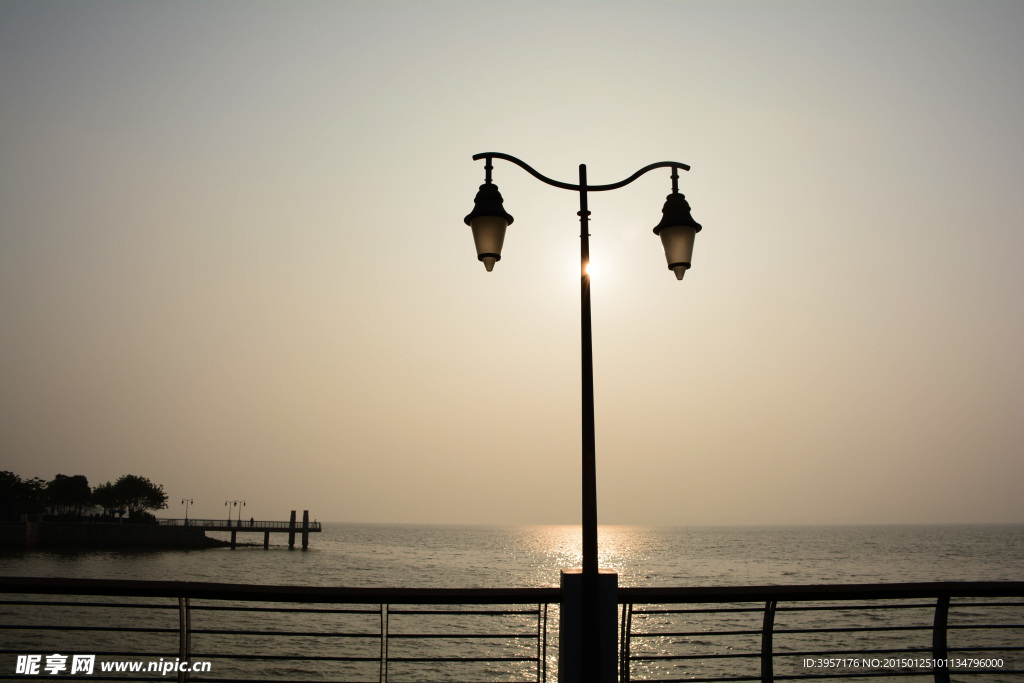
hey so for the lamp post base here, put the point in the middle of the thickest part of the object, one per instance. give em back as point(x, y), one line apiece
point(571, 648)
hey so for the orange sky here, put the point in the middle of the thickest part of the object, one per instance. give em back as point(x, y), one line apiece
point(232, 258)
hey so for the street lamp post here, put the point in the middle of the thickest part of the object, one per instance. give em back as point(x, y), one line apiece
point(677, 231)
point(235, 503)
point(186, 502)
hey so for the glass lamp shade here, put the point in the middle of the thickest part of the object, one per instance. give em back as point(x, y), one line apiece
point(489, 235)
point(677, 230)
point(678, 243)
point(488, 219)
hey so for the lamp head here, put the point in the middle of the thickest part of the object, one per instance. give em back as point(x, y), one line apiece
point(677, 230)
point(488, 219)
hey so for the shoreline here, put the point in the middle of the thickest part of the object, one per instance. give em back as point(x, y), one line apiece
point(102, 535)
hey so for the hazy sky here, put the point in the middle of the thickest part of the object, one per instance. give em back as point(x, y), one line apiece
point(232, 257)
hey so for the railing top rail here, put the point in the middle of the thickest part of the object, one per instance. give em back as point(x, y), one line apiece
point(236, 524)
point(668, 595)
point(870, 591)
point(307, 594)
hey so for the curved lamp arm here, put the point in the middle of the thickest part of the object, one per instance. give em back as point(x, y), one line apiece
point(590, 188)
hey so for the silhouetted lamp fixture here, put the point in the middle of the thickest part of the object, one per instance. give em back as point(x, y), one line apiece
point(488, 219)
point(677, 230)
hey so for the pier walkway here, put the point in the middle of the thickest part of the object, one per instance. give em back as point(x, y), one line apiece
point(234, 526)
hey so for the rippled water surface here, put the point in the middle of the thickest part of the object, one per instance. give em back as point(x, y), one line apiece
point(478, 556)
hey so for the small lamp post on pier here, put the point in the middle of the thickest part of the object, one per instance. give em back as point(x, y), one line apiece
point(186, 502)
point(235, 503)
point(587, 639)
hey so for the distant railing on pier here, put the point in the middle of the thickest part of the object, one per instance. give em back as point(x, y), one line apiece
point(242, 525)
point(393, 635)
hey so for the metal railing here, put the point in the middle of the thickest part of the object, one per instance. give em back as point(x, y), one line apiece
point(282, 632)
point(392, 635)
point(770, 633)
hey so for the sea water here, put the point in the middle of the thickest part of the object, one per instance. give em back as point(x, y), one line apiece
point(365, 555)
point(387, 555)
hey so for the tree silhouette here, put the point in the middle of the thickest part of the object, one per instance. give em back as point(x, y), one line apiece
point(137, 494)
point(19, 495)
point(105, 497)
point(68, 495)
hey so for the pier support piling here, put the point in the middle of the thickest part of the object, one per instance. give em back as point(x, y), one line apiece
point(233, 533)
point(266, 540)
point(291, 531)
point(305, 529)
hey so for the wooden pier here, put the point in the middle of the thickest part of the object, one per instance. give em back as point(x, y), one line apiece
point(254, 526)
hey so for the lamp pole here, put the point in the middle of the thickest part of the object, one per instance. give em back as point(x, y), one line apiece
point(677, 230)
point(186, 502)
point(235, 503)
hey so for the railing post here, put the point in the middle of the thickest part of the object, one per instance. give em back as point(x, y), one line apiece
point(383, 643)
point(767, 659)
point(544, 646)
point(627, 627)
point(184, 636)
point(539, 641)
point(939, 648)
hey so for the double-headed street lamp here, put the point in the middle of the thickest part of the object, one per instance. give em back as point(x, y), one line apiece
point(186, 502)
point(235, 503)
point(677, 230)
